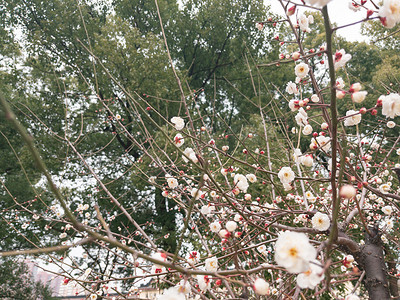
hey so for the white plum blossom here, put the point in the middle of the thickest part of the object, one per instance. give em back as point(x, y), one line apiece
point(391, 105)
point(391, 124)
point(211, 264)
point(172, 182)
point(359, 97)
point(340, 83)
point(384, 188)
point(171, 294)
point(196, 193)
point(315, 98)
point(354, 6)
point(307, 130)
point(178, 122)
point(320, 221)
point(261, 287)
point(241, 182)
point(347, 191)
point(224, 233)
point(291, 88)
point(321, 141)
point(341, 58)
point(293, 251)
point(387, 210)
point(183, 287)
point(390, 13)
point(301, 117)
point(179, 140)
point(215, 226)
point(354, 119)
point(318, 3)
point(286, 175)
point(159, 256)
point(293, 105)
point(312, 277)
point(204, 282)
point(297, 155)
point(231, 226)
point(205, 210)
point(251, 177)
point(304, 22)
point(189, 152)
point(307, 160)
point(301, 70)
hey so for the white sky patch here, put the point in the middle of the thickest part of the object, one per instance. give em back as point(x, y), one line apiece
point(339, 13)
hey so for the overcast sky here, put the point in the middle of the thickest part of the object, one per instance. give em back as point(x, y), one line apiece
point(339, 13)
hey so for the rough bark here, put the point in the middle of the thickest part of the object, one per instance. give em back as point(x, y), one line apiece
point(371, 258)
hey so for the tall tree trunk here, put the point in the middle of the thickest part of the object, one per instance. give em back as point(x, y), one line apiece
point(372, 260)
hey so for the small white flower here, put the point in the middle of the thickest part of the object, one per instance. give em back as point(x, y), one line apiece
point(204, 283)
point(307, 130)
point(304, 24)
point(347, 191)
point(311, 278)
point(251, 177)
point(390, 105)
point(241, 182)
point(384, 239)
point(286, 175)
point(320, 221)
point(340, 83)
point(359, 97)
point(63, 235)
point(315, 98)
point(293, 251)
point(384, 188)
point(341, 58)
point(172, 182)
point(183, 287)
point(391, 124)
point(172, 293)
point(191, 154)
point(307, 161)
point(196, 193)
point(231, 226)
point(179, 140)
point(390, 13)
point(301, 70)
point(321, 141)
point(211, 264)
point(178, 122)
point(261, 248)
point(261, 287)
point(291, 88)
point(354, 119)
point(318, 3)
point(387, 210)
point(215, 227)
point(205, 210)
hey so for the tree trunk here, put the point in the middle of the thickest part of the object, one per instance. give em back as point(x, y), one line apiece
point(372, 260)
